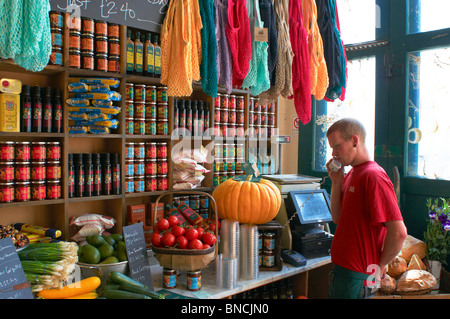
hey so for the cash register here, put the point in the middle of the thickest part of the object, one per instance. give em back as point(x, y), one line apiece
point(309, 213)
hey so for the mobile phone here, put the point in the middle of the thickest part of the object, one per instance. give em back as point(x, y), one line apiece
point(335, 165)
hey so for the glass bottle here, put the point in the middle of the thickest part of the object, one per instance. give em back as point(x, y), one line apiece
point(71, 167)
point(79, 175)
point(157, 56)
point(25, 109)
point(88, 175)
point(149, 57)
point(37, 110)
point(97, 174)
point(57, 112)
point(47, 111)
point(106, 174)
point(115, 169)
point(138, 54)
point(130, 53)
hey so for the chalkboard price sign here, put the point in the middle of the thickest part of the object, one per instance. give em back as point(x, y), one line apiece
point(141, 14)
point(137, 254)
point(13, 283)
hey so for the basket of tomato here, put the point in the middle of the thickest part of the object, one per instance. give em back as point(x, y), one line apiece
point(185, 247)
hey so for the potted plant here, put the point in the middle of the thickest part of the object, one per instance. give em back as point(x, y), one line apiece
point(437, 236)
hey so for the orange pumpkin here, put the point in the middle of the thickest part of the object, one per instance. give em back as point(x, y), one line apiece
point(247, 202)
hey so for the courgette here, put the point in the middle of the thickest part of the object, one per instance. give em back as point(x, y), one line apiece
point(120, 279)
point(111, 287)
point(141, 290)
point(122, 294)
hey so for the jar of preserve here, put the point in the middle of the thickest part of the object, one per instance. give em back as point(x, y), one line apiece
point(139, 93)
point(150, 110)
point(163, 111)
point(150, 150)
point(129, 168)
point(139, 184)
point(87, 25)
point(22, 191)
point(129, 151)
point(216, 177)
point(7, 151)
point(269, 241)
point(169, 278)
point(113, 30)
point(268, 258)
point(53, 171)
point(101, 28)
point(232, 102)
point(75, 23)
point(53, 151)
point(74, 41)
point(240, 103)
point(6, 192)
point(6, 172)
point(217, 115)
point(38, 171)
point(217, 101)
point(139, 110)
point(87, 43)
point(56, 57)
point(150, 167)
point(161, 94)
point(161, 166)
point(129, 109)
point(139, 126)
point(87, 60)
point(139, 167)
point(75, 58)
point(194, 202)
point(22, 171)
point(101, 45)
point(194, 280)
point(161, 150)
point(56, 20)
point(101, 62)
point(139, 151)
point(150, 126)
point(150, 183)
point(54, 190)
point(38, 190)
point(150, 94)
point(161, 182)
point(38, 151)
point(114, 63)
point(162, 127)
point(129, 125)
point(224, 101)
point(129, 92)
point(129, 185)
point(114, 47)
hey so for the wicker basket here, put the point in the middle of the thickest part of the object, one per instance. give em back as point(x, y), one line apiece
point(186, 259)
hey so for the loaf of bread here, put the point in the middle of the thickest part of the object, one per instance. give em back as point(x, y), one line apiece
point(387, 285)
point(397, 267)
point(416, 263)
point(415, 281)
point(412, 246)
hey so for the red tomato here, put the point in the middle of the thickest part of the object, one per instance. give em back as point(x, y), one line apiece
point(206, 246)
point(162, 224)
point(178, 231)
point(195, 244)
point(156, 240)
point(173, 221)
point(209, 238)
point(168, 239)
point(182, 242)
point(200, 231)
point(191, 234)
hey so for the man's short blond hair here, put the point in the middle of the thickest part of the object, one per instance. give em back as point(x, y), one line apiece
point(348, 127)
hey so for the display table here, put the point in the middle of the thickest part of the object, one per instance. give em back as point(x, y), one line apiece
point(315, 271)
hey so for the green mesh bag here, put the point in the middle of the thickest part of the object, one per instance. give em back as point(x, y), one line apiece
point(28, 38)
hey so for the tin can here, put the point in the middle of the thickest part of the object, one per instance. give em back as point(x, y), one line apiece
point(7, 151)
point(22, 172)
point(150, 94)
point(194, 280)
point(150, 150)
point(53, 190)
point(38, 190)
point(161, 182)
point(161, 150)
point(169, 278)
point(139, 184)
point(6, 172)
point(53, 151)
point(151, 167)
point(150, 183)
point(22, 191)
point(6, 192)
point(150, 126)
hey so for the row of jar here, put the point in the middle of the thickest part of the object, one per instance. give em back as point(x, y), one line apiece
point(11, 151)
point(229, 150)
point(146, 93)
point(30, 191)
point(146, 110)
point(146, 150)
point(30, 171)
point(146, 183)
point(135, 126)
point(221, 177)
point(146, 167)
point(234, 130)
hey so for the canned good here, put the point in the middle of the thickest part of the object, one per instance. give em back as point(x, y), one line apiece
point(217, 101)
point(232, 116)
point(114, 47)
point(232, 102)
point(139, 151)
point(269, 241)
point(114, 63)
point(56, 20)
point(204, 202)
point(22, 171)
point(162, 127)
point(216, 178)
point(6, 192)
point(101, 62)
point(54, 189)
point(240, 105)
point(38, 190)
point(57, 37)
point(6, 172)
point(217, 115)
point(240, 117)
point(38, 171)
point(194, 280)
point(74, 41)
point(22, 191)
point(224, 101)
point(163, 111)
point(87, 43)
point(150, 183)
point(7, 151)
point(56, 57)
point(53, 150)
point(161, 182)
point(194, 201)
point(268, 258)
point(169, 278)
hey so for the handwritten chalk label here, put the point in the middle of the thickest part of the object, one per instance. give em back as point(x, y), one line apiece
point(13, 282)
point(137, 254)
point(143, 14)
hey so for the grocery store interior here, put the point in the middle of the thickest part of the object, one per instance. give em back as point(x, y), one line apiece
point(170, 149)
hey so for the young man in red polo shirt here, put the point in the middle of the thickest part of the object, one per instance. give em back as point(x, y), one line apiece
point(370, 229)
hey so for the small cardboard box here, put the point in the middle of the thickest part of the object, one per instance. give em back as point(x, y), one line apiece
point(151, 209)
point(136, 214)
point(9, 112)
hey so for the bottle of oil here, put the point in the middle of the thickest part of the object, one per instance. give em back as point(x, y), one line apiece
point(130, 53)
point(157, 56)
point(138, 54)
point(149, 56)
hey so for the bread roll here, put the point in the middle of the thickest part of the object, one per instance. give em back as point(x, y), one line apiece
point(397, 267)
point(415, 281)
point(387, 285)
point(412, 246)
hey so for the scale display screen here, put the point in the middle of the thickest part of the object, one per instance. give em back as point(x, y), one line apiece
point(312, 206)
